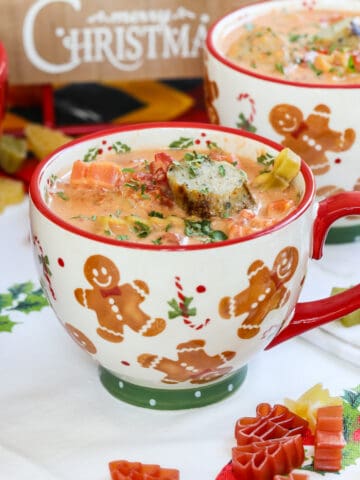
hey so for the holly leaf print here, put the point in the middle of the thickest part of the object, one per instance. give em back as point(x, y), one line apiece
point(351, 403)
point(33, 302)
point(6, 300)
point(6, 325)
point(19, 288)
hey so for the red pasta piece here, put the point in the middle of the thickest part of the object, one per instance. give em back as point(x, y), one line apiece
point(270, 422)
point(293, 476)
point(124, 470)
point(329, 439)
point(263, 460)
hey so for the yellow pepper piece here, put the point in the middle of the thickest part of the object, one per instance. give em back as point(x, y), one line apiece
point(307, 404)
point(286, 167)
point(350, 319)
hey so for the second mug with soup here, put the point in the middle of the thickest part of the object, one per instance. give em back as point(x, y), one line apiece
point(290, 70)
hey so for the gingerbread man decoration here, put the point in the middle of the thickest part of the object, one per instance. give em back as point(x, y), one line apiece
point(310, 138)
point(116, 305)
point(211, 93)
point(193, 364)
point(266, 292)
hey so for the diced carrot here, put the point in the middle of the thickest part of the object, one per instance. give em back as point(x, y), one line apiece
point(96, 174)
point(279, 207)
point(78, 172)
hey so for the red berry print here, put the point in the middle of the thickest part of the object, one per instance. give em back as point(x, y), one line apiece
point(201, 289)
point(61, 262)
point(197, 141)
point(124, 362)
point(337, 160)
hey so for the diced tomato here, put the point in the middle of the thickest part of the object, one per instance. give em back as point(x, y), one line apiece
point(170, 238)
point(96, 174)
point(162, 161)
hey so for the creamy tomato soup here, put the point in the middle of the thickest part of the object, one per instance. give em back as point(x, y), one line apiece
point(310, 46)
point(127, 196)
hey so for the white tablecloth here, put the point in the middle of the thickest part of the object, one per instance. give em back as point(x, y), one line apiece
point(58, 423)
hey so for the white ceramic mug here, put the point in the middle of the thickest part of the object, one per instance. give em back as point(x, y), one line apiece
point(243, 292)
point(328, 115)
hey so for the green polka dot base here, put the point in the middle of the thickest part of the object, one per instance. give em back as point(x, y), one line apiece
point(165, 399)
point(343, 234)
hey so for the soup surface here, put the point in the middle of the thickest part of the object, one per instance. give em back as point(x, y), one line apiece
point(310, 46)
point(131, 196)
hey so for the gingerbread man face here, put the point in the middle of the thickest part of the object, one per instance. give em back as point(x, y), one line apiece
point(310, 138)
point(193, 364)
point(266, 292)
point(101, 272)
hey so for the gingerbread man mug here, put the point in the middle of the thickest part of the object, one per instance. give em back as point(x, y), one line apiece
point(318, 118)
point(174, 326)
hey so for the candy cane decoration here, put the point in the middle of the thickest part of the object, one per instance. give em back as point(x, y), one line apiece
point(45, 268)
point(181, 297)
point(251, 101)
point(310, 4)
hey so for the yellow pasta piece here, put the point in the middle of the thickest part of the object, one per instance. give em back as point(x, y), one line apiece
point(11, 192)
point(307, 404)
point(286, 167)
point(13, 152)
point(43, 141)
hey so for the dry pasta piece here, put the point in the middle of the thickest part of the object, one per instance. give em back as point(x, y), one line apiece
point(293, 476)
point(42, 140)
point(124, 470)
point(307, 404)
point(13, 152)
point(11, 192)
point(329, 439)
point(270, 423)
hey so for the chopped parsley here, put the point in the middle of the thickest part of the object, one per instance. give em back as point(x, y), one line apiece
point(221, 171)
point(315, 69)
point(128, 170)
point(158, 241)
point(154, 213)
point(83, 217)
point(121, 237)
point(194, 160)
point(294, 37)
point(62, 195)
point(203, 228)
point(279, 67)
point(266, 160)
point(141, 229)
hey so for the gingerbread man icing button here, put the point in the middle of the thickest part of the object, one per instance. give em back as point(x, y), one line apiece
point(116, 305)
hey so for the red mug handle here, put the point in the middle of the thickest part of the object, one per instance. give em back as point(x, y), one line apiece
point(312, 314)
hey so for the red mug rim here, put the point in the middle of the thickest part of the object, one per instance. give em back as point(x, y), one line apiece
point(36, 196)
point(211, 47)
point(3, 63)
